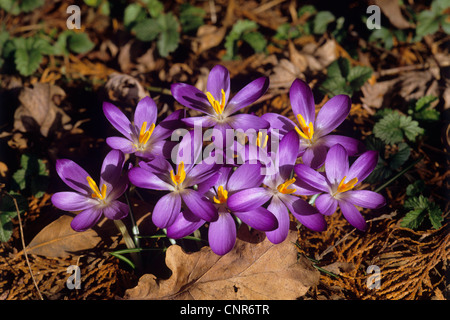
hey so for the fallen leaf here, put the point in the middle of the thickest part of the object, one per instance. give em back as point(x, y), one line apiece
point(283, 74)
point(393, 11)
point(59, 240)
point(3, 169)
point(208, 36)
point(339, 267)
point(124, 89)
point(254, 269)
point(378, 94)
point(39, 109)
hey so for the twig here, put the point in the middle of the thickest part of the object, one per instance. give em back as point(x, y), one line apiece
point(23, 245)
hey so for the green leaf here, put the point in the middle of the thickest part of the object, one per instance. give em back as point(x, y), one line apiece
point(419, 208)
point(339, 68)
point(133, 14)
point(147, 30)
point(306, 9)
point(155, 8)
point(423, 110)
point(425, 102)
point(435, 216)
point(413, 219)
point(321, 21)
point(358, 75)
point(19, 179)
point(169, 37)
point(8, 211)
point(394, 127)
point(427, 23)
point(415, 188)
point(191, 17)
point(80, 43)
point(27, 61)
point(32, 176)
point(236, 34)
point(400, 157)
point(15, 7)
point(256, 40)
point(30, 5)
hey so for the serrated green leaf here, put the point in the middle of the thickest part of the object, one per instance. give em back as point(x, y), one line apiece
point(256, 40)
point(27, 61)
point(19, 179)
point(358, 75)
point(236, 33)
point(421, 207)
point(336, 85)
point(80, 43)
point(169, 37)
point(339, 68)
point(8, 211)
point(30, 5)
point(435, 216)
point(191, 17)
point(427, 23)
point(425, 102)
point(155, 8)
point(415, 188)
point(413, 219)
point(394, 127)
point(306, 9)
point(400, 157)
point(147, 30)
point(321, 21)
point(242, 26)
point(133, 14)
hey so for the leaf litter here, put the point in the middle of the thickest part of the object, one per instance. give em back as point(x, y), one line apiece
point(328, 265)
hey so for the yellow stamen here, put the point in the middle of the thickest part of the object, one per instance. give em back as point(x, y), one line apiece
point(342, 187)
point(217, 106)
point(259, 138)
point(283, 187)
point(96, 191)
point(145, 134)
point(222, 194)
point(305, 131)
point(180, 176)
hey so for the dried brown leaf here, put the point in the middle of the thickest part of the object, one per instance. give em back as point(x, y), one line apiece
point(59, 240)
point(39, 109)
point(255, 269)
point(124, 89)
point(393, 11)
point(208, 37)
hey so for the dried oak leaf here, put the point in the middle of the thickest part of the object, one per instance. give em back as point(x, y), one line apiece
point(59, 240)
point(124, 89)
point(208, 37)
point(393, 12)
point(253, 270)
point(39, 109)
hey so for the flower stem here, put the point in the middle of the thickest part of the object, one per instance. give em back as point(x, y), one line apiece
point(129, 243)
point(398, 175)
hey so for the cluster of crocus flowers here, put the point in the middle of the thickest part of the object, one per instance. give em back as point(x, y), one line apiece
point(263, 191)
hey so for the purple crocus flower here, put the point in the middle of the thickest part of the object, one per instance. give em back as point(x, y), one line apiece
point(282, 190)
point(338, 181)
point(158, 174)
point(93, 201)
point(222, 232)
point(142, 137)
point(219, 109)
point(314, 131)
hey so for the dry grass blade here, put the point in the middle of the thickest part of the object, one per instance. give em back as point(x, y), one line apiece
point(24, 246)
